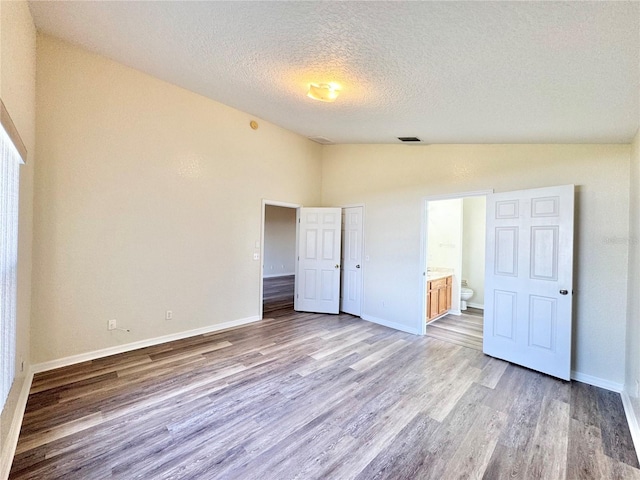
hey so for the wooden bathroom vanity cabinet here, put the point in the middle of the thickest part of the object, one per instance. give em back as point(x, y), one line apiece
point(438, 296)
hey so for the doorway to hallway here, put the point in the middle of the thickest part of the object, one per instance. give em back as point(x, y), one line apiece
point(278, 257)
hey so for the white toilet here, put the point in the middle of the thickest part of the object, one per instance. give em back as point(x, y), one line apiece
point(465, 294)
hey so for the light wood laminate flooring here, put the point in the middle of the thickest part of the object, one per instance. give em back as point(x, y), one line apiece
point(317, 396)
point(465, 329)
point(277, 293)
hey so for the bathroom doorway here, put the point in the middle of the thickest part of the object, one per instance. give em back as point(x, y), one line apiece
point(454, 240)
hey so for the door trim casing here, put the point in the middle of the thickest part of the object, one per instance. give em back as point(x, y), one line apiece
point(422, 325)
point(363, 247)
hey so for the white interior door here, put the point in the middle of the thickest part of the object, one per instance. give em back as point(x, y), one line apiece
point(529, 278)
point(351, 271)
point(318, 268)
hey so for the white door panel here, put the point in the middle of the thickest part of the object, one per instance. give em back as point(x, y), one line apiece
point(352, 242)
point(529, 277)
point(318, 270)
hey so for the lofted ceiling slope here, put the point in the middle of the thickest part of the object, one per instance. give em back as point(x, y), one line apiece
point(446, 72)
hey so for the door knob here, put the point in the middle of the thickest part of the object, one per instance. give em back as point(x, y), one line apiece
point(563, 292)
point(357, 266)
point(337, 266)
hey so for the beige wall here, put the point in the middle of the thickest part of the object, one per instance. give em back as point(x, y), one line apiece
point(633, 293)
point(279, 241)
point(393, 180)
point(17, 90)
point(132, 170)
point(149, 198)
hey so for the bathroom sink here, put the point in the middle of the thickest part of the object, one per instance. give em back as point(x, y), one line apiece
point(437, 273)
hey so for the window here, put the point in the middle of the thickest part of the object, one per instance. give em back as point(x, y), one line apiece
point(10, 161)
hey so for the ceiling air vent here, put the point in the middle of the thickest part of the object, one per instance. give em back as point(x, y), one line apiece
point(409, 139)
point(321, 140)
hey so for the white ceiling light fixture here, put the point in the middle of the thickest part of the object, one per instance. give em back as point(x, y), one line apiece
point(325, 92)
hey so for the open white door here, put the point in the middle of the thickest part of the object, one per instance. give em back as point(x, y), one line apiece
point(351, 285)
point(529, 278)
point(318, 269)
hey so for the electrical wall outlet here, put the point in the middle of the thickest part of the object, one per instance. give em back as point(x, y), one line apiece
point(112, 325)
point(168, 315)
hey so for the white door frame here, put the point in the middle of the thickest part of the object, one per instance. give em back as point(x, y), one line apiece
point(363, 246)
point(273, 203)
point(424, 235)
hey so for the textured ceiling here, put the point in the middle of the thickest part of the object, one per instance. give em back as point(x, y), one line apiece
point(447, 72)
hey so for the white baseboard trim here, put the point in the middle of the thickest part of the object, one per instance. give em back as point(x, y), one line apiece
point(274, 275)
point(479, 306)
point(105, 352)
point(390, 324)
point(9, 447)
point(632, 420)
point(437, 318)
point(597, 381)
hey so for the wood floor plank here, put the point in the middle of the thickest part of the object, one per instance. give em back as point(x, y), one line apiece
point(303, 395)
point(447, 390)
point(505, 464)
point(474, 452)
point(444, 443)
point(465, 329)
point(406, 454)
point(584, 457)
point(339, 343)
point(524, 413)
point(620, 470)
point(492, 372)
point(374, 441)
point(370, 361)
point(512, 381)
point(293, 453)
point(548, 456)
point(616, 438)
point(42, 437)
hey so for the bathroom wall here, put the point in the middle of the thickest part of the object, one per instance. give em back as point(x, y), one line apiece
point(444, 241)
point(279, 241)
point(473, 244)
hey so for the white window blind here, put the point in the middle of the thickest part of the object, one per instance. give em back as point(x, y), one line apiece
point(10, 162)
